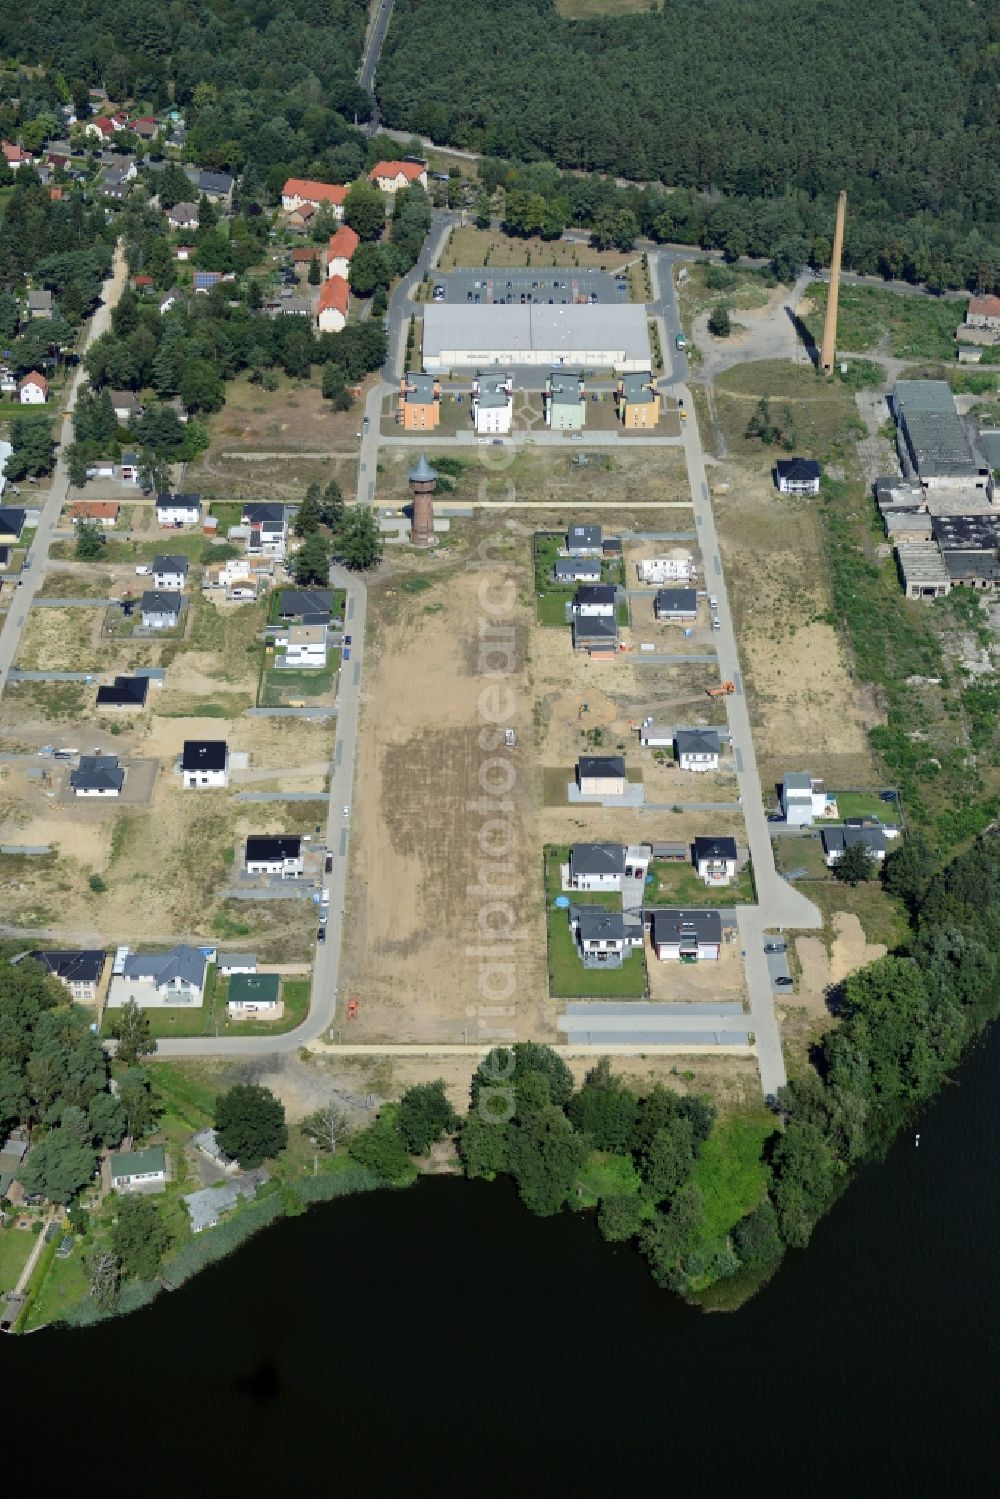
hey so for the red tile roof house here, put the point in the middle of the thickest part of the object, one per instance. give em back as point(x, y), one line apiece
point(103, 511)
point(33, 390)
point(299, 190)
point(105, 126)
point(339, 251)
point(15, 156)
point(331, 310)
point(303, 254)
point(390, 176)
point(146, 127)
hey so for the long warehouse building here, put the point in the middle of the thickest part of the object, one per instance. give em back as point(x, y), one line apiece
point(536, 334)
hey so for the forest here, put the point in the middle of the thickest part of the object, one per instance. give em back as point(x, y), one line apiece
point(762, 112)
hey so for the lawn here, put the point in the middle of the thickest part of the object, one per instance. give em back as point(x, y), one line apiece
point(555, 857)
point(914, 326)
point(604, 1174)
point(294, 992)
point(679, 885)
point(866, 804)
point(471, 248)
point(568, 979)
point(729, 1173)
point(15, 1246)
point(186, 1020)
point(552, 606)
point(882, 917)
point(184, 1098)
point(279, 687)
point(64, 1286)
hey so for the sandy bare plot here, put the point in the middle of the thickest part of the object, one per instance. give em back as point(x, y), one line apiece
point(698, 983)
point(806, 710)
point(823, 969)
point(413, 919)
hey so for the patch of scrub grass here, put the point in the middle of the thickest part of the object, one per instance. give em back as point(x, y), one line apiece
point(604, 1174)
point(65, 1284)
point(416, 584)
point(915, 326)
point(182, 1091)
point(15, 1246)
point(678, 885)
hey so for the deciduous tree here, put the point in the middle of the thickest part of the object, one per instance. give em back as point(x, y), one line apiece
point(250, 1123)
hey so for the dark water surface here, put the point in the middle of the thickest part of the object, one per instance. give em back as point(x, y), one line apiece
point(441, 1340)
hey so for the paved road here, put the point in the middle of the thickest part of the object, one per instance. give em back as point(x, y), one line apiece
point(779, 905)
point(369, 62)
point(10, 635)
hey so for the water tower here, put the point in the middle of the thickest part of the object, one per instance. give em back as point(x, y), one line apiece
point(422, 479)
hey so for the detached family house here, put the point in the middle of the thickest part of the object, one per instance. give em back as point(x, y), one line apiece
point(576, 570)
point(170, 572)
point(601, 775)
point(79, 970)
point(160, 980)
point(305, 648)
point(255, 994)
point(596, 866)
point(676, 604)
point(280, 855)
point(299, 190)
point(97, 775)
point(797, 475)
point(178, 509)
point(605, 938)
point(125, 694)
point(803, 798)
point(340, 251)
point(268, 529)
point(715, 860)
point(33, 390)
point(686, 936)
point(204, 763)
point(331, 308)
point(585, 541)
point(160, 610)
point(697, 749)
point(393, 176)
point(836, 842)
point(139, 1170)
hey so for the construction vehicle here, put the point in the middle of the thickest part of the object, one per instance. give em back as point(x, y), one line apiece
point(724, 689)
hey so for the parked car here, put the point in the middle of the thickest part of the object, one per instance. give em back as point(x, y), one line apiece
point(347, 639)
point(347, 811)
point(328, 864)
point(774, 947)
point(321, 934)
point(783, 981)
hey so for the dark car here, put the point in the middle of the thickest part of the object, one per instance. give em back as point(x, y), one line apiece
point(321, 934)
point(888, 796)
point(328, 864)
point(774, 947)
point(348, 640)
point(784, 982)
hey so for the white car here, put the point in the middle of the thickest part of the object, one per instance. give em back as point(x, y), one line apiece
point(347, 811)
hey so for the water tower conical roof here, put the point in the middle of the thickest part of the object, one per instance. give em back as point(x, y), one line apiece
point(422, 471)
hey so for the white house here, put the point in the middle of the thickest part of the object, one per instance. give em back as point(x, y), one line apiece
point(331, 308)
point(656, 736)
point(33, 390)
point(160, 611)
point(229, 963)
point(665, 569)
point(97, 775)
point(595, 866)
point(697, 749)
point(305, 646)
point(204, 763)
point(255, 994)
point(686, 936)
point(392, 176)
point(79, 970)
point(281, 855)
point(797, 475)
point(715, 860)
point(493, 403)
point(139, 1170)
point(802, 798)
point(577, 570)
point(605, 938)
point(340, 251)
point(160, 980)
point(183, 216)
point(601, 775)
point(178, 509)
point(268, 529)
point(170, 572)
point(595, 601)
point(299, 190)
point(836, 842)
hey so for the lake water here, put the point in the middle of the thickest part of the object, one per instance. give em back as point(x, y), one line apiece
point(442, 1340)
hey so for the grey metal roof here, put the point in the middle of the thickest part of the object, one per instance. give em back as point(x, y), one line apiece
point(583, 536)
point(156, 602)
point(421, 472)
point(676, 601)
point(639, 388)
point(673, 925)
point(923, 395)
point(187, 963)
point(922, 562)
point(480, 330)
point(596, 858)
point(565, 388)
point(798, 780)
point(237, 959)
point(697, 741)
point(167, 564)
point(572, 567)
point(836, 840)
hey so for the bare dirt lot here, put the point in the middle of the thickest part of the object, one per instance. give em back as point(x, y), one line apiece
point(415, 925)
point(698, 983)
point(807, 713)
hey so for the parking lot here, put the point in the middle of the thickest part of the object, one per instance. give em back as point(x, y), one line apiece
point(531, 285)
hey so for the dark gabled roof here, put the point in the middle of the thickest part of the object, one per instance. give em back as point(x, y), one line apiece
point(673, 925)
point(214, 182)
point(76, 965)
point(594, 924)
point(267, 516)
point(601, 765)
point(570, 567)
point(836, 840)
point(11, 519)
point(594, 593)
point(286, 847)
point(800, 470)
point(183, 962)
point(676, 600)
point(714, 848)
point(170, 501)
point(127, 692)
point(97, 773)
point(304, 601)
point(204, 754)
point(595, 629)
point(597, 858)
point(170, 564)
point(696, 741)
point(156, 602)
